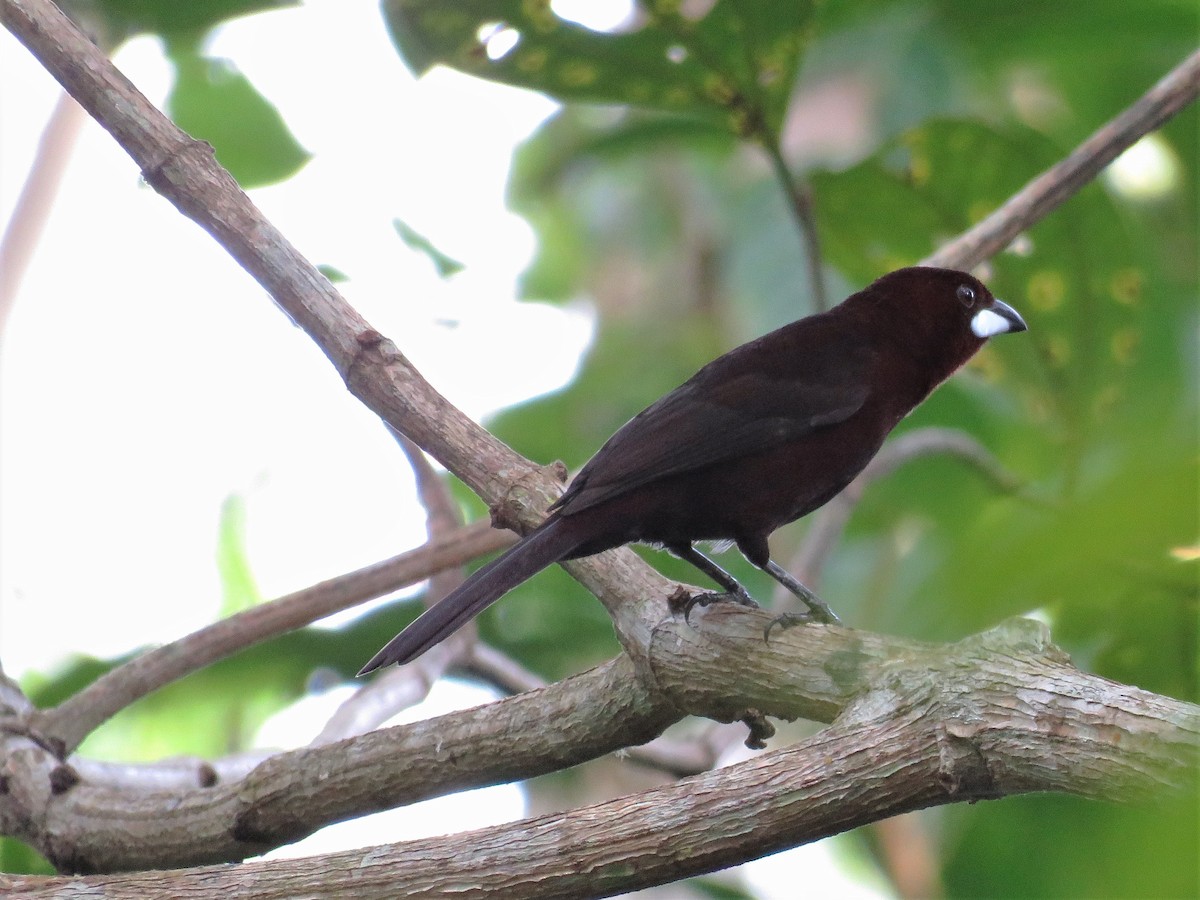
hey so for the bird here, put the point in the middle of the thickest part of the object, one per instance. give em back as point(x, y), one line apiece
point(757, 438)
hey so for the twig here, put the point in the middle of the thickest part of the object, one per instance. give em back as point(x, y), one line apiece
point(33, 206)
point(490, 665)
point(800, 201)
point(401, 687)
point(1061, 181)
point(393, 691)
point(830, 521)
point(441, 512)
point(179, 773)
point(949, 441)
point(78, 716)
point(681, 757)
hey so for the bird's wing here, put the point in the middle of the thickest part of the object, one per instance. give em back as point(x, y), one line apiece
point(732, 408)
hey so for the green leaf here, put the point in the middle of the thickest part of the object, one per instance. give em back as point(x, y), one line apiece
point(122, 19)
point(1047, 846)
point(238, 588)
point(212, 101)
point(736, 62)
point(445, 265)
point(334, 274)
point(18, 858)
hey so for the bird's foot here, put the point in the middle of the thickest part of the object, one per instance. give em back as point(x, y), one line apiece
point(708, 598)
point(818, 609)
point(788, 620)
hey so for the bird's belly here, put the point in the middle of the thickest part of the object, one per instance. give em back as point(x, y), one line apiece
point(750, 495)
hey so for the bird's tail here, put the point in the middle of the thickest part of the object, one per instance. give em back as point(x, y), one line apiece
point(547, 544)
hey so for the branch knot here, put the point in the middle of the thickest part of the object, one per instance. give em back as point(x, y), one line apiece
point(522, 505)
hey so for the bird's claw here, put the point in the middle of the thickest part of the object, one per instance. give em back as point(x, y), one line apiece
point(788, 620)
point(710, 597)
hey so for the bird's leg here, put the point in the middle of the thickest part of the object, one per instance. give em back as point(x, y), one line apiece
point(733, 590)
point(754, 548)
point(818, 609)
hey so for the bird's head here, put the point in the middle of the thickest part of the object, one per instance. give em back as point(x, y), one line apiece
point(941, 316)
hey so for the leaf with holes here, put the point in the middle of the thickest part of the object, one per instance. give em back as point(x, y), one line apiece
point(734, 62)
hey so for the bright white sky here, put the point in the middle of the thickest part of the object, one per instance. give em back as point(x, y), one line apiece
point(144, 377)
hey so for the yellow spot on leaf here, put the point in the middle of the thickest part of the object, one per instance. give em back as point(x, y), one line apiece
point(1124, 345)
point(538, 14)
point(1046, 290)
point(919, 168)
point(531, 61)
point(577, 74)
point(1058, 349)
point(677, 96)
point(1106, 400)
point(1126, 286)
point(719, 89)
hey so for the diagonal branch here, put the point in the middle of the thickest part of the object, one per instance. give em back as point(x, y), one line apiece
point(32, 209)
point(1063, 180)
point(185, 171)
point(800, 200)
point(828, 523)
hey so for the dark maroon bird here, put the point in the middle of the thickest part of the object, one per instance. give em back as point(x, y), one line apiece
point(757, 438)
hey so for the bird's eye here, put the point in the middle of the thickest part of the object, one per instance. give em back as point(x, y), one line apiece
point(966, 295)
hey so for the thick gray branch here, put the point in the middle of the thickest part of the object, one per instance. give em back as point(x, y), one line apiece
point(919, 726)
point(926, 728)
point(83, 826)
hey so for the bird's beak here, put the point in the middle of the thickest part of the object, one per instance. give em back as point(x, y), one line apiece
point(999, 318)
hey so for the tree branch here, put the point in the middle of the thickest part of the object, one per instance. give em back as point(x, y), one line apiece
point(1063, 180)
point(911, 739)
point(919, 725)
point(401, 687)
point(830, 521)
point(185, 171)
point(84, 827)
point(79, 715)
point(32, 209)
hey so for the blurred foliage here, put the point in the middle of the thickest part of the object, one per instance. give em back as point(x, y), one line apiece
point(444, 264)
point(119, 20)
point(210, 98)
point(910, 119)
point(17, 856)
point(682, 238)
point(732, 61)
point(240, 591)
point(212, 101)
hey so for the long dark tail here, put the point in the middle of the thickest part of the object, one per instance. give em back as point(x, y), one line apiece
point(547, 544)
